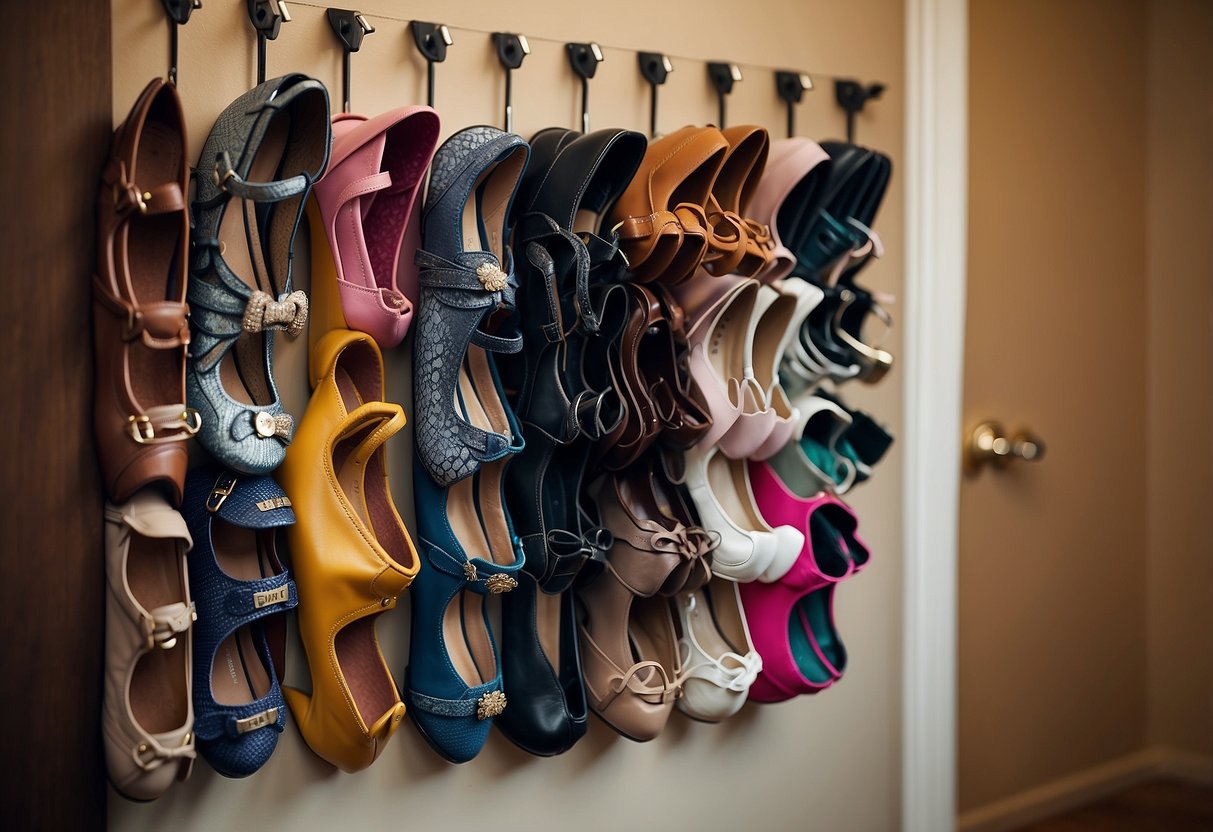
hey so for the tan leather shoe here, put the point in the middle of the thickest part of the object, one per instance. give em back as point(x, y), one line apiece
point(147, 717)
point(140, 324)
point(661, 217)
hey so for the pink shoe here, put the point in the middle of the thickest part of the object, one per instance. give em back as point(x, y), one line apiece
point(719, 310)
point(777, 327)
point(367, 201)
point(792, 620)
point(789, 179)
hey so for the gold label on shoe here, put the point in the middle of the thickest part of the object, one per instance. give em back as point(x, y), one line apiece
point(276, 502)
point(469, 571)
point(491, 704)
point(491, 277)
point(271, 596)
point(499, 583)
point(252, 723)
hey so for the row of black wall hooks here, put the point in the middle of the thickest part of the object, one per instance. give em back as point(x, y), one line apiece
point(432, 40)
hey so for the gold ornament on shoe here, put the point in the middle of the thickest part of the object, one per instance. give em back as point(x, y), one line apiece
point(500, 583)
point(491, 704)
point(491, 277)
point(263, 312)
point(268, 424)
point(469, 571)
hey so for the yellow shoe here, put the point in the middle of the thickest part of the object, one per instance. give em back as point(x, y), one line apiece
point(351, 553)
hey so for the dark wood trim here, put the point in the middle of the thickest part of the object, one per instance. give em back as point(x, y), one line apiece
point(54, 135)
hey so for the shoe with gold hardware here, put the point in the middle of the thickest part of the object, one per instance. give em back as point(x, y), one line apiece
point(241, 590)
point(147, 717)
point(453, 680)
point(350, 551)
point(254, 175)
point(140, 324)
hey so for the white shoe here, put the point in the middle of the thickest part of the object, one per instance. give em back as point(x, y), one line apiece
point(719, 662)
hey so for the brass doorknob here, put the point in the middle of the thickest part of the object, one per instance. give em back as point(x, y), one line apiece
point(989, 444)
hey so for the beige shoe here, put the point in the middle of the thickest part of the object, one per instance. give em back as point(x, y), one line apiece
point(147, 719)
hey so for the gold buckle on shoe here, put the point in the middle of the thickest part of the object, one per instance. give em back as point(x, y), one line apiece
point(224, 486)
point(141, 429)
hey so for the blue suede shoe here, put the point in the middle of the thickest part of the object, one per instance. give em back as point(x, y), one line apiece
point(241, 590)
point(453, 680)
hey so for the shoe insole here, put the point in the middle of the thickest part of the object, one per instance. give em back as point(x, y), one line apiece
point(813, 639)
point(727, 340)
point(370, 683)
point(385, 213)
point(768, 335)
point(484, 214)
point(147, 249)
point(465, 634)
point(651, 633)
point(726, 478)
point(158, 693)
point(243, 370)
point(239, 674)
point(724, 610)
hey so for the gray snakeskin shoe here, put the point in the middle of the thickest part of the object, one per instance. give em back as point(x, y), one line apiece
point(261, 158)
point(467, 275)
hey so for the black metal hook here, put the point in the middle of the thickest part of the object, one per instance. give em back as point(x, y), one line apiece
point(432, 39)
point(723, 76)
point(852, 96)
point(584, 58)
point(179, 12)
point(267, 17)
point(791, 87)
point(655, 68)
point(511, 49)
point(350, 28)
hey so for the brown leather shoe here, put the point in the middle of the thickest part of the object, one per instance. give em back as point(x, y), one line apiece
point(140, 319)
point(743, 245)
point(661, 217)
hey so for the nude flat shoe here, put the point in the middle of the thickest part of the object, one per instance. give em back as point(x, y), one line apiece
point(147, 719)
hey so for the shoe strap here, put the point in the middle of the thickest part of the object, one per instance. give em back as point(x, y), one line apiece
point(150, 754)
point(488, 704)
point(162, 625)
point(668, 692)
point(716, 670)
point(234, 721)
point(534, 228)
point(230, 182)
point(565, 552)
point(477, 574)
point(130, 198)
point(160, 325)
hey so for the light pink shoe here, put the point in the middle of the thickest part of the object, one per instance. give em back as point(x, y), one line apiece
point(777, 327)
point(792, 620)
point(367, 201)
point(788, 180)
point(719, 310)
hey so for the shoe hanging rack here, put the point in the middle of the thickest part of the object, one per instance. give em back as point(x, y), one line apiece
point(350, 27)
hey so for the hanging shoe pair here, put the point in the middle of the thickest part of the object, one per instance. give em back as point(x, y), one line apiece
point(792, 620)
point(686, 206)
point(570, 180)
point(466, 433)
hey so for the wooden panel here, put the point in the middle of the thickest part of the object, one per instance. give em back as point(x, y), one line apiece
point(1165, 806)
point(56, 65)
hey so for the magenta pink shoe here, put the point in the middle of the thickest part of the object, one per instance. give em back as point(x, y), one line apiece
point(792, 620)
point(784, 193)
point(366, 199)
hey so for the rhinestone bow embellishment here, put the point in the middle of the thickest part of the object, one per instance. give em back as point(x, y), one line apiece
point(263, 312)
point(491, 277)
point(268, 424)
point(491, 704)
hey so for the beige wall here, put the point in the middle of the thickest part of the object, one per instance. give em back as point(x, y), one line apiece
point(1179, 306)
point(1052, 557)
point(1087, 582)
point(830, 761)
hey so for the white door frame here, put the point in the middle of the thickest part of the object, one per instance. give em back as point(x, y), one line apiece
point(936, 210)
